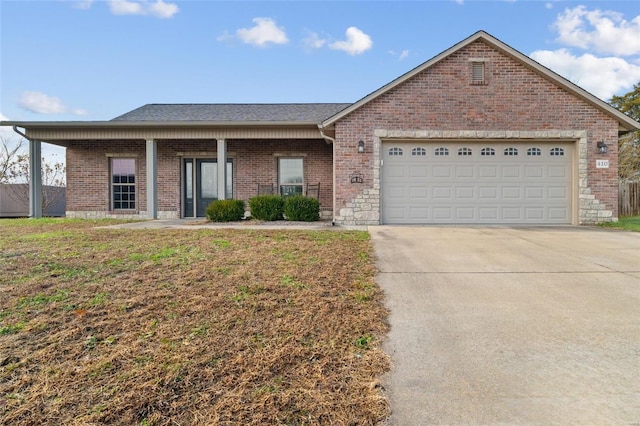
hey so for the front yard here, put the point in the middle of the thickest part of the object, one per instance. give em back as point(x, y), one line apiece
point(164, 327)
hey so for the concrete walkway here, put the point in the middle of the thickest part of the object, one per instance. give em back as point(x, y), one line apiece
point(493, 325)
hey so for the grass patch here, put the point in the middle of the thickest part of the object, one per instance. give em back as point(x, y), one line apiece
point(631, 223)
point(161, 327)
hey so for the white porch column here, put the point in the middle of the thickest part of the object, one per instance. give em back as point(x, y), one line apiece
point(222, 169)
point(35, 179)
point(152, 179)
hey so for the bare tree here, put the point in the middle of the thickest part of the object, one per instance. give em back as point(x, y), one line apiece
point(14, 169)
point(10, 158)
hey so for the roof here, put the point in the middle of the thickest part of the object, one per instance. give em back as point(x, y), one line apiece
point(233, 113)
point(626, 123)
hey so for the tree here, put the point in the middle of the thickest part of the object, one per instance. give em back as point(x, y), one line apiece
point(14, 169)
point(629, 145)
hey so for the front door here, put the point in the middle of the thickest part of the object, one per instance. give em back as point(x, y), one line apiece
point(201, 185)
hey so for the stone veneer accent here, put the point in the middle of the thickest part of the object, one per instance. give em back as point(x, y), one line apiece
point(365, 208)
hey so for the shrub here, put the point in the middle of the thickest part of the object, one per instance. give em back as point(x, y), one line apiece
point(225, 210)
point(267, 207)
point(302, 208)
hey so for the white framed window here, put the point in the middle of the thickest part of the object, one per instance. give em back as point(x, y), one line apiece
point(123, 183)
point(395, 151)
point(291, 176)
point(556, 152)
point(485, 152)
point(465, 151)
point(511, 151)
point(419, 151)
point(534, 152)
point(441, 151)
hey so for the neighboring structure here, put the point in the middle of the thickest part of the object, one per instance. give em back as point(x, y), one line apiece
point(14, 200)
point(479, 134)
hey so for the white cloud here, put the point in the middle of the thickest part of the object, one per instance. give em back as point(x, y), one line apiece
point(158, 8)
point(357, 42)
point(264, 32)
point(313, 41)
point(604, 31)
point(83, 4)
point(402, 55)
point(41, 103)
point(604, 77)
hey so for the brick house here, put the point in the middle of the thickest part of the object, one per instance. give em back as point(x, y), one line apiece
point(478, 134)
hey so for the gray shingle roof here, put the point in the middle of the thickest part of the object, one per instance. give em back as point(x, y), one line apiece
point(303, 113)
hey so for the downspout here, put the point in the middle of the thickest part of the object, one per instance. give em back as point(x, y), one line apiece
point(332, 141)
point(15, 129)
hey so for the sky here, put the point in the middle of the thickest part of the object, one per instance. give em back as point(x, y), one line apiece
point(69, 60)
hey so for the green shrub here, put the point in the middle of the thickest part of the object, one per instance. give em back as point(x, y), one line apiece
point(302, 208)
point(267, 207)
point(225, 210)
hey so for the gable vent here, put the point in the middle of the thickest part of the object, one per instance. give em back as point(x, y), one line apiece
point(478, 72)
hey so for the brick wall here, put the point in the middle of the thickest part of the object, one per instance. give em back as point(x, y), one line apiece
point(254, 161)
point(441, 98)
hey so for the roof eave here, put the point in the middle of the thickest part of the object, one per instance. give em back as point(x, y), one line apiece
point(152, 124)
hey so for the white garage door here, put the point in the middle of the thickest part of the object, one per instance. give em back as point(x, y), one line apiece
point(476, 182)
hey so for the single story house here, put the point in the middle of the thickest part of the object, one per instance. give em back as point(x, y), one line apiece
point(479, 134)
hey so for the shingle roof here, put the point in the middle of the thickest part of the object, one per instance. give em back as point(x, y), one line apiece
point(303, 113)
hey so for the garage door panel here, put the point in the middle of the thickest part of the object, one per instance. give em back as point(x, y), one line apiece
point(488, 193)
point(465, 192)
point(465, 171)
point(534, 192)
point(442, 193)
point(511, 192)
point(510, 172)
point(558, 171)
point(476, 188)
point(442, 172)
point(488, 172)
point(534, 172)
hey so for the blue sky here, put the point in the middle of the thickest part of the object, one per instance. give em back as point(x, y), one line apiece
point(94, 60)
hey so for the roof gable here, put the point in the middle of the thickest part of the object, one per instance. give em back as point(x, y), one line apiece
point(626, 123)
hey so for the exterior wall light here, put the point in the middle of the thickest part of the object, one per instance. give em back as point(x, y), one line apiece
point(361, 147)
point(602, 147)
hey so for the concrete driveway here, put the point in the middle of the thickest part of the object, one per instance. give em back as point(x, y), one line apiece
point(499, 325)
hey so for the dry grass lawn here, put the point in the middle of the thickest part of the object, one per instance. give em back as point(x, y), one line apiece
point(188, 327)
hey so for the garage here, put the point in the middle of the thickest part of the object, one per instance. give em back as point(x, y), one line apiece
point(476, 182)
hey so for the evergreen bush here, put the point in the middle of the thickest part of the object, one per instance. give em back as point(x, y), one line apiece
point(267, 207)
point(302, 208)
point(225, 210)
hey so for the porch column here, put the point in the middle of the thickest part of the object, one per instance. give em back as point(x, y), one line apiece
point(152, 179)
point(222, 169)
point(35, 179)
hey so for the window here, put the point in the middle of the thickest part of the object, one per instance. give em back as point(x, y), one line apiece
point(442, 151)
point(511, 151)
point(418, 151)
point(487, 151)
point(290, 174)
point(464, 151)
point(395, 151)
point(534, 151)
point(123, 183)
point(556, 152)
point(477, 73)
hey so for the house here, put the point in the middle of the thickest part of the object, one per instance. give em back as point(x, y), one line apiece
point(479, 134)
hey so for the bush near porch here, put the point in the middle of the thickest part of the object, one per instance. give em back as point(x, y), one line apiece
point(164, 327)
